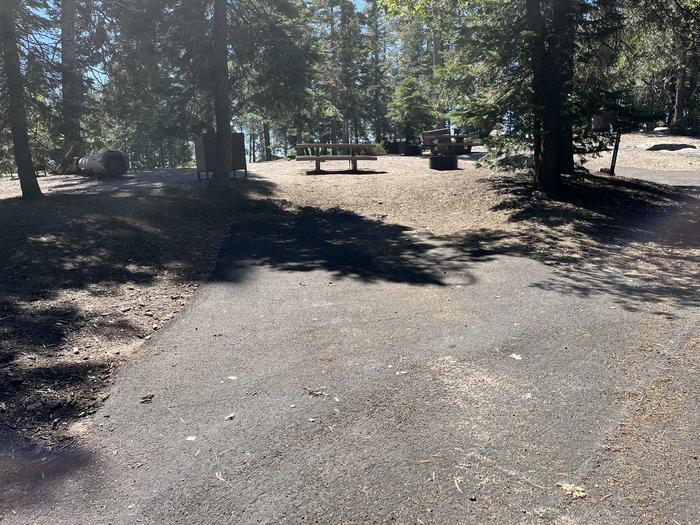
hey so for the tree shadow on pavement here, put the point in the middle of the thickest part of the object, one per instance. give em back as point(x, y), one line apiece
point(78, 270)
point(277, 234)
point(109, 240)
point(634, 240)
point(83, 260)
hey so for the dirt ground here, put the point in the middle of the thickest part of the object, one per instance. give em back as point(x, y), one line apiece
point(402, 190)
point(632, 154)
point(99, 266)
point(86, 275)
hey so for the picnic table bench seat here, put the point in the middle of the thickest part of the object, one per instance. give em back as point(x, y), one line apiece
point(335, 157)
point(331, 152)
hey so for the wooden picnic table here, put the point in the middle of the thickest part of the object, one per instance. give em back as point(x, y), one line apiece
point(327, 152)
point(442, 141)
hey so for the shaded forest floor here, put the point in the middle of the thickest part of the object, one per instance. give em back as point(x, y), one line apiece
point(87, 275)
point(99, 266)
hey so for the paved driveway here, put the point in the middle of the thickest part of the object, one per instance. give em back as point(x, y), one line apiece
point(343, 371)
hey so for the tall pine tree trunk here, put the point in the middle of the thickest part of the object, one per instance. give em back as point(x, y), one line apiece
point(375, 35)
point(222, 96)
point(298, 136)
point(535, 26)
point(17, 113)
point(565, 23)
point(437, 62)
point(70, 79)
point(333, 47)
point(548, 55)
point(346, 130)
point(679, 106)
point(266, 139)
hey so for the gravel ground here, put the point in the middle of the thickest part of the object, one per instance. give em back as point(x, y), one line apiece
point(403, 190)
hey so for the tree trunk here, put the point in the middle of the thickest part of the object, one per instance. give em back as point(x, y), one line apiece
point(679, 106)
point(222, 96)
point(535, 25)
point(266, 139)
point(71, 83)
point(377, 126)
point(346, 131)
point(548, 54)
point(565, 22)
point(437, 62)
point(17, 113)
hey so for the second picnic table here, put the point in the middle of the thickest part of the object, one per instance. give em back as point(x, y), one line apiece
point(325, 152)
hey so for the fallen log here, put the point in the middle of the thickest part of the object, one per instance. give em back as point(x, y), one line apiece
point(110, 163)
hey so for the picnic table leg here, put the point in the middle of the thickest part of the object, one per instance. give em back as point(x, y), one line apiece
point(354, 164)
point(318, 166)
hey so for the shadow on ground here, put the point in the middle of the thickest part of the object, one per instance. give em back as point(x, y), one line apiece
point(345, 172)
point(73, 256)
point(66, 263)
point(303, 239)
point(636, 241)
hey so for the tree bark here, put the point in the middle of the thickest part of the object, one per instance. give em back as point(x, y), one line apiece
point(565, 23)
point(71, 84)
point(333, 47)
point(437, 62)
point(17, 113)
point(346, 131)
point(535, 26)
point(549, 53)
point(222, 96)
point(266, 139)
point(377, 126)
point(679, 106)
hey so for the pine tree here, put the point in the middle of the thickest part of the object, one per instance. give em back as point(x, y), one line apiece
point(71, 83)
point(222, 95)
point(15, 93)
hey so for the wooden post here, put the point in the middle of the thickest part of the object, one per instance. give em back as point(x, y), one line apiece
point(618, 136)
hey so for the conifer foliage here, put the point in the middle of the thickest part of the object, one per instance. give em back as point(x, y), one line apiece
point(148, 76)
